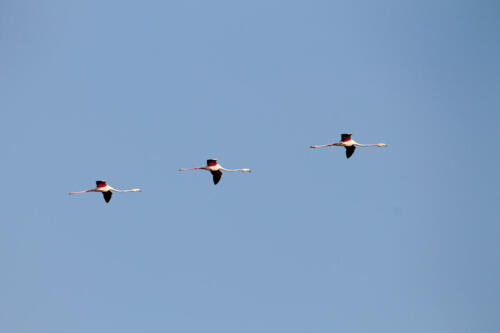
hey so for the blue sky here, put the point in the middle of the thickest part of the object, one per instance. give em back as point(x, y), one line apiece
point(396, 239)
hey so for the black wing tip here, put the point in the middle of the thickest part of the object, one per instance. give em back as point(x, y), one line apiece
point(107, 196)
point(217, 175)
point(349, 151)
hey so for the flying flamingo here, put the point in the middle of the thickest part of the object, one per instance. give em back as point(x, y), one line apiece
point(215, 169)
point(106, 190)
point(349, 144)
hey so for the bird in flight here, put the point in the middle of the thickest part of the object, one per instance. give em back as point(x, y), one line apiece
point(215, 169)
point(349, 144)
point(106, 190)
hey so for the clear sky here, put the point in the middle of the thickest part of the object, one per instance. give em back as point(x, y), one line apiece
point(396, 239)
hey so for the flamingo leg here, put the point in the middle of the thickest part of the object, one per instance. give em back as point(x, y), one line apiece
point(92, 190)
point(197, 168)
point(328, 145)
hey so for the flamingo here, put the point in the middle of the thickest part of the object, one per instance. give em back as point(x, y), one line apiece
point(349, 144)
point(106, 190)
point(215, 169)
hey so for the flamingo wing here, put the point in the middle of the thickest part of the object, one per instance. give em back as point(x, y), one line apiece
point(345, 137)
point(212, 162)
point(217, 175)
point(349, 151)
point(107, 195)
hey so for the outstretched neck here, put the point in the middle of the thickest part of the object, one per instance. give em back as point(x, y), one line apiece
point(370, 145)
point(131, 190)
point(231, 170)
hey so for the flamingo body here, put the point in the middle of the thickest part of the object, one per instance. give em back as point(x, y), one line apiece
point(105, 189)
point(214, 169)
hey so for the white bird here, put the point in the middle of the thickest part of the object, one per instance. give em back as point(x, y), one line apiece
point(349, 144)
point(105, 189)
point(215, 169)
